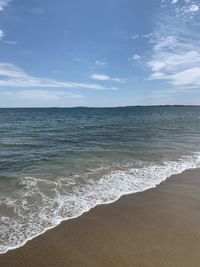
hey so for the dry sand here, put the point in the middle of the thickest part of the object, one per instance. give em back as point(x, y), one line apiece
point(159, 227)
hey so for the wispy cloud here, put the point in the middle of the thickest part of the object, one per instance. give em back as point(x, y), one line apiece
point(10, 42)
point(3, 4)
point(189, 78)
point(176, 45)
point(104, 77)
point(135, 57)
point(44, 95)
point(100, 62)
point(39, 97)
point(141, 36)
point(182, 8)
point(13, 76)
point(134, 36)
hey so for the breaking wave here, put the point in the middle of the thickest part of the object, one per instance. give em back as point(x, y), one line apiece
point(41, 204)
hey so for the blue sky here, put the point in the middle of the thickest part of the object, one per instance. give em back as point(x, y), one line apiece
point(99, 52)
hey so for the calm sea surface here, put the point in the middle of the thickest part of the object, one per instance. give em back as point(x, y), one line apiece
point(56, 164)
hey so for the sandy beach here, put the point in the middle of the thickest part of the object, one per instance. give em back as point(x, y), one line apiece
point(158, 227)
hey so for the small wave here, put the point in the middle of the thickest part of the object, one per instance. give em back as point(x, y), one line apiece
point(41, 204)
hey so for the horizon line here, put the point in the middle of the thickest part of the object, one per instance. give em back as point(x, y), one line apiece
point(128, 106)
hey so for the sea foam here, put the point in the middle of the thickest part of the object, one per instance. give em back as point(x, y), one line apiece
point(41, 204)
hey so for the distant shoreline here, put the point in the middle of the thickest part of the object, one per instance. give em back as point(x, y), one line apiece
point(96, 107)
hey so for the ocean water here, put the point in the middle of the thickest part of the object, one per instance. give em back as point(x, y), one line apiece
point(56, 164)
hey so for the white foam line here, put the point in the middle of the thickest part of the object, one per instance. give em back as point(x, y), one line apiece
point(75, 217)
point(193, 166)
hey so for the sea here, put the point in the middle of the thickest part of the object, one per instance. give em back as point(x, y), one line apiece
point(57, 163)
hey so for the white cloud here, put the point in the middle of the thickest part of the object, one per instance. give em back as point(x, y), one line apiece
point(178, 67)
point(100, 77)
point(189, 78)
point(11, 75)
point(135, 36)
point(174, 61)
point(182, 8)
point(3, 4)
point(103, 77)
point(100, 63)
point(135, 57)
point(176, 50)
point(193, 8)
point(1, 35)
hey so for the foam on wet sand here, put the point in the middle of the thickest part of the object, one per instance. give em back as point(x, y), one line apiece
point(158, 227)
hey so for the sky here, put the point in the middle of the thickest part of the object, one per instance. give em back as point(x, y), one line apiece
point(99, 52)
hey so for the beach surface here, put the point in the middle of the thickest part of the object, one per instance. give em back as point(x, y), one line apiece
point(158, 227)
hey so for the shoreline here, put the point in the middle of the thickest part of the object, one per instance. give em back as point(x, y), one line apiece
point(163, 175)
point(78, 216)
point(122, 222)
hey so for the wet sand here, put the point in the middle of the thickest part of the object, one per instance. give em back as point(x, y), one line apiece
point(158, 227)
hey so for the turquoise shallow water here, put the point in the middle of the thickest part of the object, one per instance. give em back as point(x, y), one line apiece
point(57, 163)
